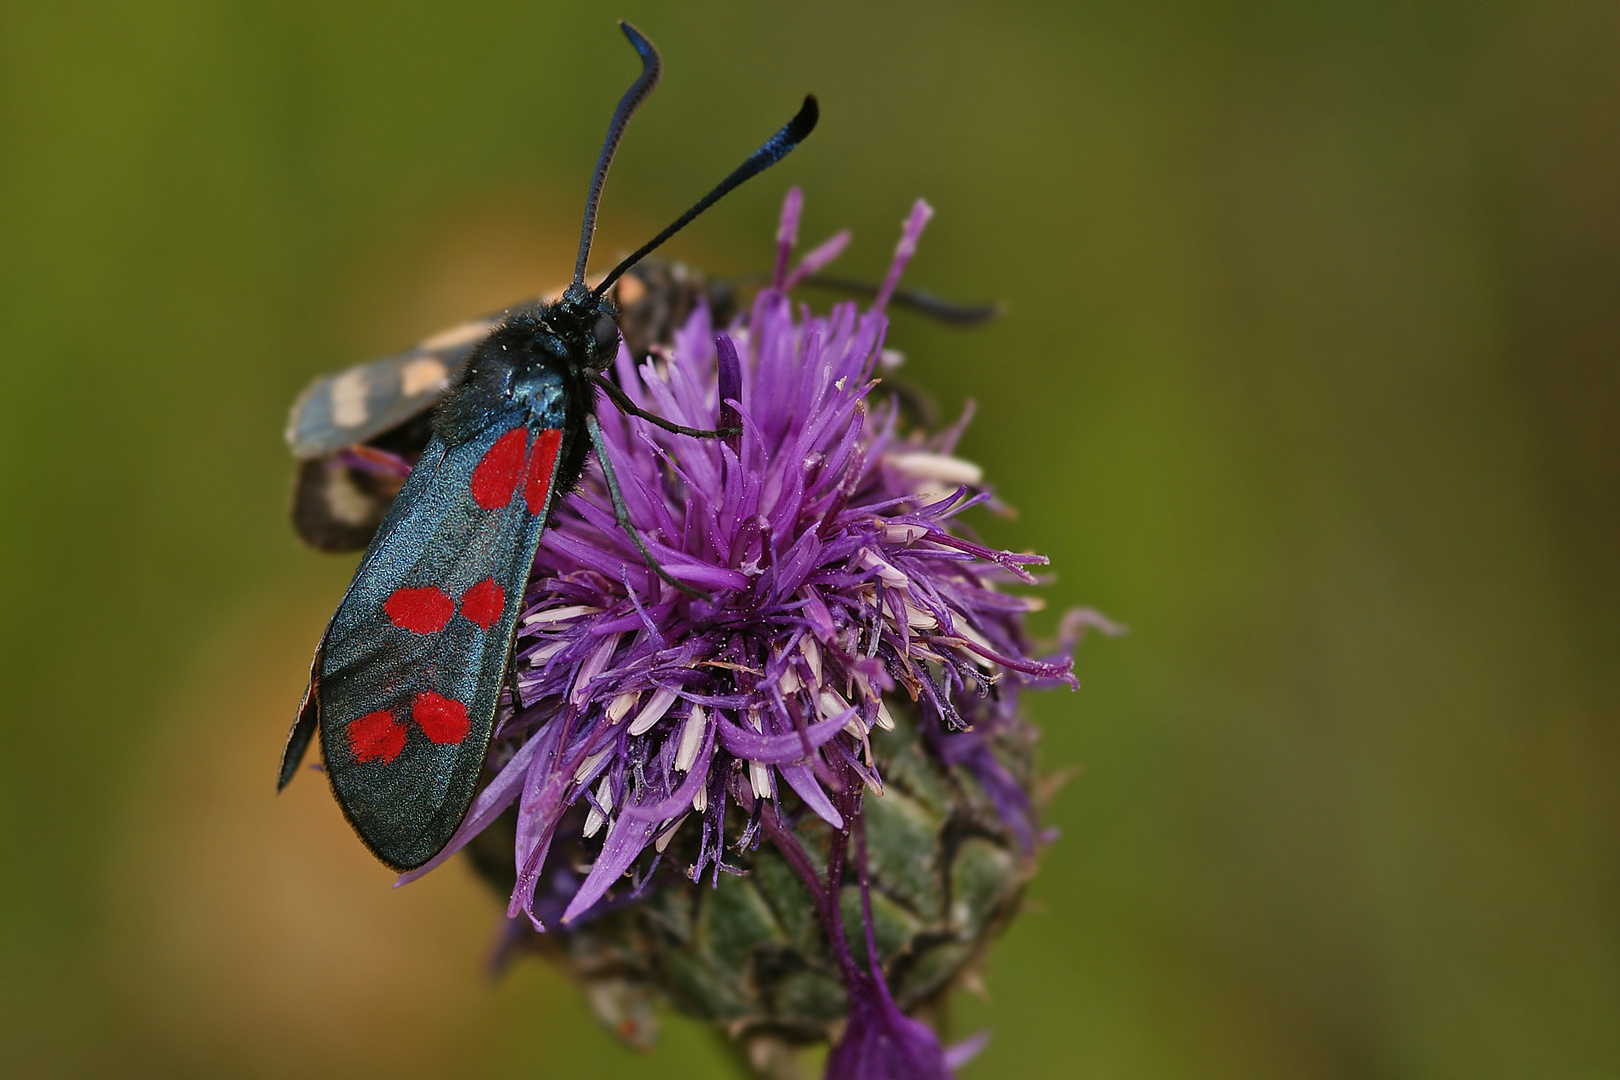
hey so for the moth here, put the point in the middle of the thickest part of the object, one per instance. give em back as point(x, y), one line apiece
point(357, 432)
point(405, 682)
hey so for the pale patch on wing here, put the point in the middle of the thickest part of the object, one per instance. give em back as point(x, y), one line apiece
point(349, 399)
point(631, 290)
point(425, 373)
point(345, 502)
point(459, 335)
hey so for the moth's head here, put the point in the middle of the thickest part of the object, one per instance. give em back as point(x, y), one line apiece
point(589, 325)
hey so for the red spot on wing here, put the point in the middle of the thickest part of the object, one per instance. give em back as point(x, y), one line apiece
point(496, 475)
point(442, 719)
point(542, 464)
point(375, 735)
point(483, 603)
point(421, 611)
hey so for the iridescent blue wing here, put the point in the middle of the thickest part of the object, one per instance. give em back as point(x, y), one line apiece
point(405, 684)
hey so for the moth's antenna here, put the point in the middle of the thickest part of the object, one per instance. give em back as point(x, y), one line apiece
point(946, 311)
point(775, 149)
point(632, 99)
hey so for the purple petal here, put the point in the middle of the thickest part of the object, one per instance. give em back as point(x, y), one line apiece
point(787, 234)
point(903, 251)
point(818, 259)
point(626, 839)
point(679, 802)
point(966, 1050)
point(779, 749)
point(730, 382)
point(802, 780)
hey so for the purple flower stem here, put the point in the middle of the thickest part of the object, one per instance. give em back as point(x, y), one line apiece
point(872, 963)
point(824, 891)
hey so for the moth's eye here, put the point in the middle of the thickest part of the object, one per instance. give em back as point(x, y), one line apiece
point(606, 331)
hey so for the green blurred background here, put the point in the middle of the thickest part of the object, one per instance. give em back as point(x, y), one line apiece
point(1308, 374)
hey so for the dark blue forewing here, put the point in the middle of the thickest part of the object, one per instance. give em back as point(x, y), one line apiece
point(407, 650)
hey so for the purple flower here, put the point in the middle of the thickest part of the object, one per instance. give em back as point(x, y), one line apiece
point(824, 537)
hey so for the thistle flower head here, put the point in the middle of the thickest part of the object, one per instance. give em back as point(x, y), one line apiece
point(838, 585)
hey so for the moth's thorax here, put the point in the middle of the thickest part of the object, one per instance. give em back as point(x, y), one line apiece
point(538, 362)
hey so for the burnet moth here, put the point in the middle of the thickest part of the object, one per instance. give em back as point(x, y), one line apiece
point(404, 685)
point(356, 433)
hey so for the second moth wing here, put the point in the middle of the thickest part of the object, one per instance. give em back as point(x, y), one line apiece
point(357, 432)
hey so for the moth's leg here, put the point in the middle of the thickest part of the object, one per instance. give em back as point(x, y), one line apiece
point(510, 675)
point(621, 514)
point(622, 400)
point(945, 311)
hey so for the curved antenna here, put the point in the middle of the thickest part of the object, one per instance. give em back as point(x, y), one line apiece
point(775, 149)
point(632, 99)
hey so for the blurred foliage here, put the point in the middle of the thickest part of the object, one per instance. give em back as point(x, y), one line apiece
point(1308, 375)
